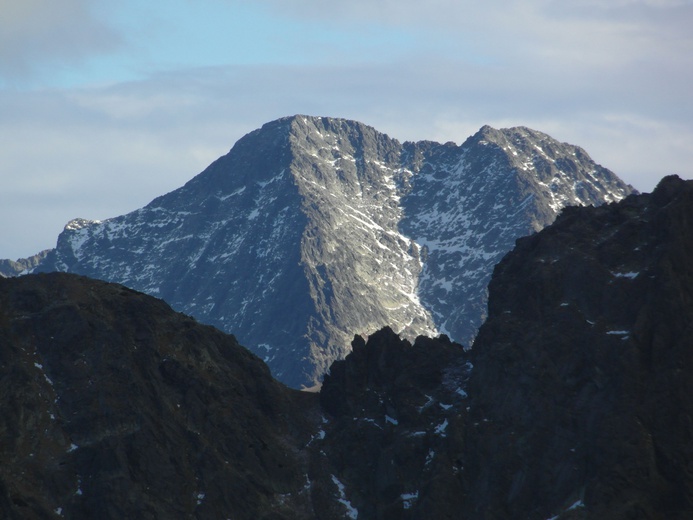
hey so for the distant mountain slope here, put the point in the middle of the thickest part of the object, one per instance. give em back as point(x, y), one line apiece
point(312, 229)
point(23, 265)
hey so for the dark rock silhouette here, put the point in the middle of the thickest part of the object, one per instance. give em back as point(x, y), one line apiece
point(114, 406)
point(582, 388)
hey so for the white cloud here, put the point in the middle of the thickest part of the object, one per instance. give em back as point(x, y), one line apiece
point(613, 77)
point(35, 34)
point(585, 31)
point(100, 152)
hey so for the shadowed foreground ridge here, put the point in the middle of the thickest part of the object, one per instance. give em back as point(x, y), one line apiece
point(575, 402)
point(583, 382)
point(114, 406)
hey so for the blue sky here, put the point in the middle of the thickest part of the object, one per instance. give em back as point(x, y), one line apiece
point(106, 105)
point(129, 40)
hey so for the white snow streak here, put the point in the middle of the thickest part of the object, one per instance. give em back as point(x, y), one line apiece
point(351, 511)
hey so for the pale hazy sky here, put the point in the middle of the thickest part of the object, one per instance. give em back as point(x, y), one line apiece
point(106, 105)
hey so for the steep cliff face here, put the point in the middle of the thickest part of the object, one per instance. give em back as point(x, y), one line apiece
point(313, 229)
point(362, 273)
point(114, 406)
point(582, 388)
point(469, 204)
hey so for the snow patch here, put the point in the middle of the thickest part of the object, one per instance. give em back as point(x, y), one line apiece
point(460, 391)
point(320, 435)
point(351, 511)
point(630, 275)
point(371, 421)
point(79, 223)
point(408, 499)
point(440, 429)
point(236, 192)
point(262, 184)
point(40, 367)
point(575, 505)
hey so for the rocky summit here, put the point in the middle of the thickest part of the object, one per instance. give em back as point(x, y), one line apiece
point(576, 401)
point(311, 230)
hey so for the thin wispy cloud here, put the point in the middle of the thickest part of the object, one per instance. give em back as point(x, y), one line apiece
point(142, 96)
point(40, 37)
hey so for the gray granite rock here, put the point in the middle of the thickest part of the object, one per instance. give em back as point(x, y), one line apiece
point(311, 230)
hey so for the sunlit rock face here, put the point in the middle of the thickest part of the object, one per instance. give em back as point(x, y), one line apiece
point(311, 230)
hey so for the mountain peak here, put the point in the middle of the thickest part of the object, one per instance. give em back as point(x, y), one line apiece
point(522, 138)
point(669, 188)
point(79, 223)
point(312, 229)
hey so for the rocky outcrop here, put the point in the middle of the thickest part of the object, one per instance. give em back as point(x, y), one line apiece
point(114, 406)
point(392, 430)
point(311, 230)
point(22, 265)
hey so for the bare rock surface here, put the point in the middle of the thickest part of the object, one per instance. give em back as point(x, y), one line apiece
point(313, 229)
